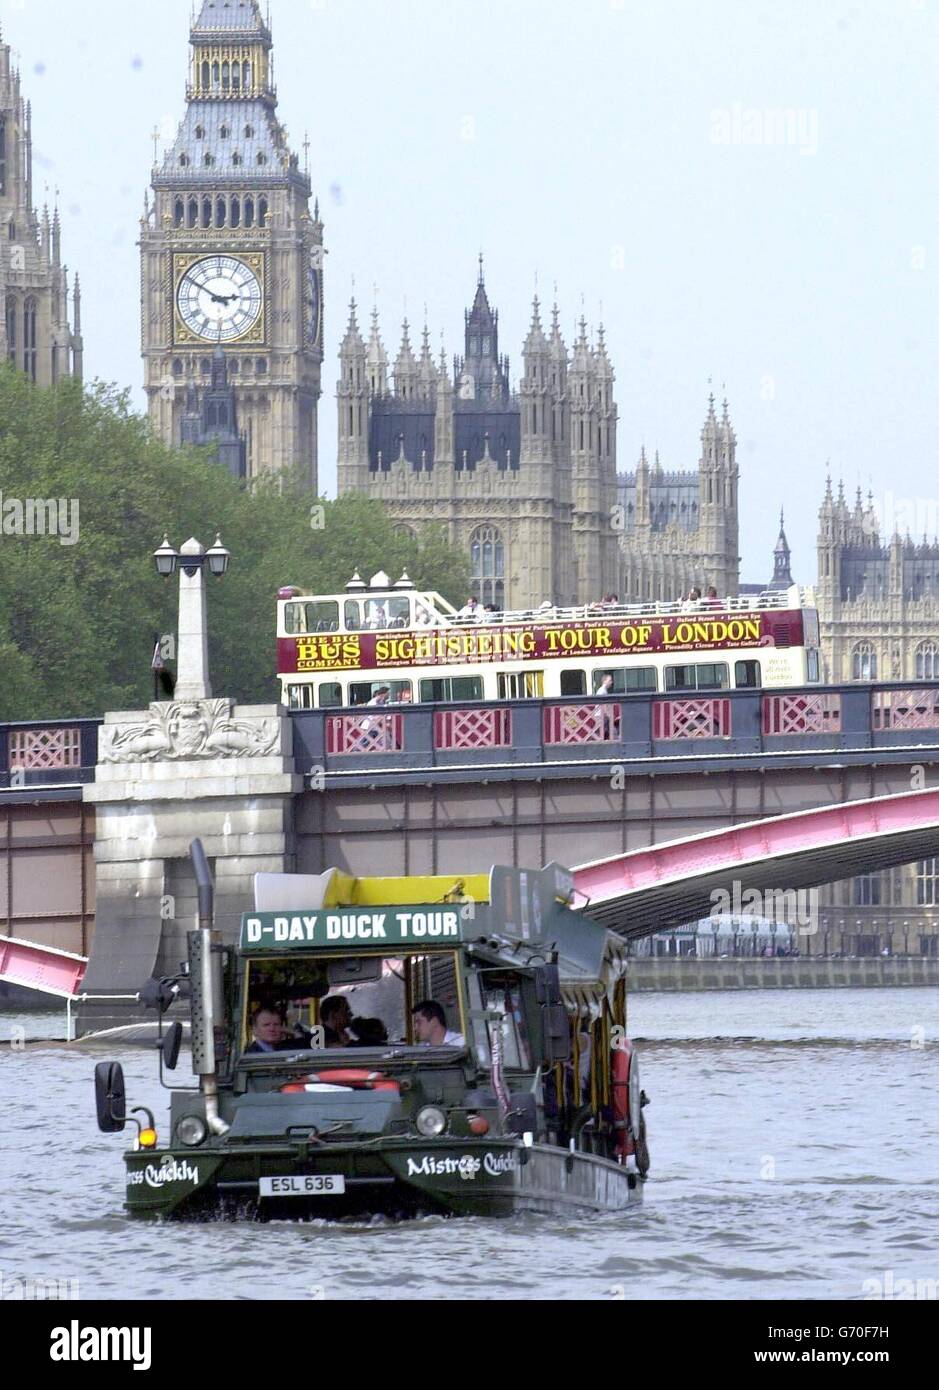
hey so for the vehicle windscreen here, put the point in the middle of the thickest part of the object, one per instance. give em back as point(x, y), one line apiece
point(361, 1000)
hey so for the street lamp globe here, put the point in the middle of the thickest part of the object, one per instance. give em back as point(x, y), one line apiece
point(218, 558)
point(166, 559)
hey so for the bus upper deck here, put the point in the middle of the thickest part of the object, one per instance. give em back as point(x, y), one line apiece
point(396, 644)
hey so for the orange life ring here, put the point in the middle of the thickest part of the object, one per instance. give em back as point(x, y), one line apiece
point(356, 1078)
point(624, 1074)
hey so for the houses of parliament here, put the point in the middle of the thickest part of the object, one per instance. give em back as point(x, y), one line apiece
point(521, 472)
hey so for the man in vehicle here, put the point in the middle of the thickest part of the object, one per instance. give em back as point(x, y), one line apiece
point(430, 1026)
point(336, 1018)
point(269, 1032)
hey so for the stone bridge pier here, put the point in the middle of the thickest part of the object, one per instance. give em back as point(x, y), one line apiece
point(196, 768)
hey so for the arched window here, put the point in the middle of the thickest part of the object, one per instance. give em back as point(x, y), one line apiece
point(200, 132)
point(927, 661)
point(487, 560)
point(226, 77)
point(11, 329)
point(206, 212)
point(209, 160)
point(183, 160)
point(192, 219)
point(246, 74)
point(236, 212)
point(224, 132)
point(179, 212)
point(236, 77)
point(220, 212)
point(249, 132)
point(864, 662)
point(236, 159)
point(262, 157)
point(249, 212)
point(29, 338)
point(262, 212)
point(215, 73)
point(205, 75)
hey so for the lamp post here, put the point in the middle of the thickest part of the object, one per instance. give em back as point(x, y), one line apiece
point(192, 681)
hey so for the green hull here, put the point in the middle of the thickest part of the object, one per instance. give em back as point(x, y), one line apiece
point(468, 1177)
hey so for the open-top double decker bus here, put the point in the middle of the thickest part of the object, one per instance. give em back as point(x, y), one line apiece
point(343, 650)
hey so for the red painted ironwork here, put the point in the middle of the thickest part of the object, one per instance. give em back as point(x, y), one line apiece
point(680, 719)
point(364, 733)
point(816, 713)
point(43, 750)
point(906, 709)
point(665, 885)
point(464, 730)
point(569, 724)
point(41, 968)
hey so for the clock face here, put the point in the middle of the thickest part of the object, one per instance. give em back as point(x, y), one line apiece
point(219, 299)
point(313, 305)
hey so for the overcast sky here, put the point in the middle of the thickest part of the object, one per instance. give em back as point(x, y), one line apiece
point(748, 187)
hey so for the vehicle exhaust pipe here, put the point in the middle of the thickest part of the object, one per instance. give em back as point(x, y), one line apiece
point(205, 972)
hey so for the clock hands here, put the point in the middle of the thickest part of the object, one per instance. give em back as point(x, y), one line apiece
point(216, 298)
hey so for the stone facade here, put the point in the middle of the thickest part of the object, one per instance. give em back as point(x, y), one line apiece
point(680, 529)
point(231, 189)
point(34, 327)
point(878, 604)
point(878, 600)
point(525, 482)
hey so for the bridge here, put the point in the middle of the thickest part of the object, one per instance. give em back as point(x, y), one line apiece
point(95, 824)
point(667, 885)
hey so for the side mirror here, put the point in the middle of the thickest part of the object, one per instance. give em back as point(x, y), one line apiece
point(110, 1098)
point(169, 1045)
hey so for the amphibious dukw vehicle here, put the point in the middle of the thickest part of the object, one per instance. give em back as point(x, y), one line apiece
point(393, 1045)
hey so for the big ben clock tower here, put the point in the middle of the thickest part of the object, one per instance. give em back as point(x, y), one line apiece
point(232, 256)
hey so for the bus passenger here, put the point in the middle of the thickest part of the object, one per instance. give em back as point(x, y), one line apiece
point(430, 1026)
point(710, 599)
point(336, 1018)
point(470, 611)
point(606, 717)
point(369, 1032)
point(269, 1031)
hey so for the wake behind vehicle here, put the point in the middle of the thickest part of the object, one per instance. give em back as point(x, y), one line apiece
point(525, 1098)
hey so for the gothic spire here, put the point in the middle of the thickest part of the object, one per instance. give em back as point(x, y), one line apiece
point(782, 573)
point(352, 342)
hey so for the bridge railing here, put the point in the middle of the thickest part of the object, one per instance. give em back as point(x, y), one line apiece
point(48, 753)
point(833, 718)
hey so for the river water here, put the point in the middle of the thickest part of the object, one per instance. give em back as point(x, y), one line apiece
point(795, 1152)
